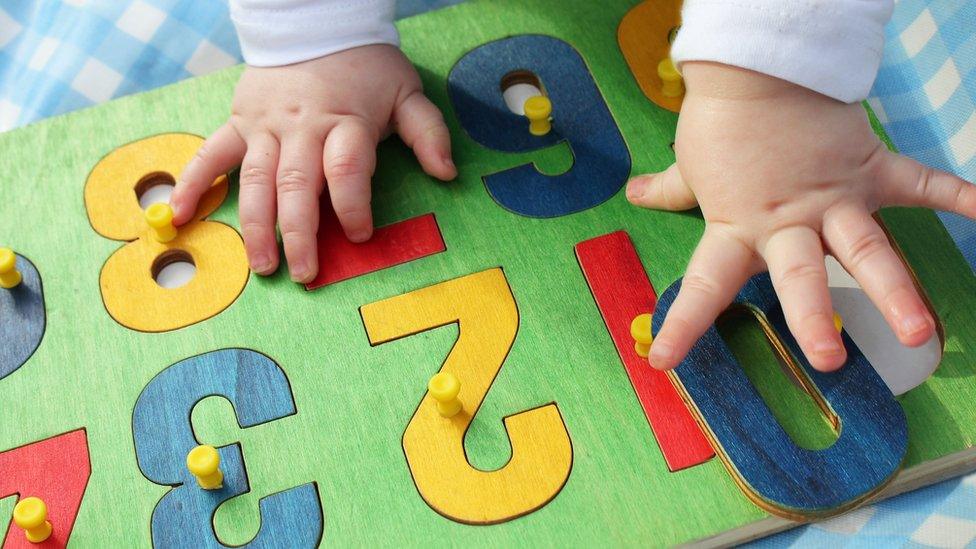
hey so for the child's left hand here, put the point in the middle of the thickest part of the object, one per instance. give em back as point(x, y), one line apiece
point(783, 175)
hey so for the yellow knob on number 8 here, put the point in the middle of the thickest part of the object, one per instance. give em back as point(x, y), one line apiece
point(128, 285)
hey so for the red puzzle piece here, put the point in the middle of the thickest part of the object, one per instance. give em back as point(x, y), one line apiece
point(622, 291)
point(340, 259)
point(57, 471)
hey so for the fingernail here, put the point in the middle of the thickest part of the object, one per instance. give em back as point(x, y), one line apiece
point(449, 162)
point(635, 188)
point(661, 355)
point(260, 264)
point(827, 347)
point(301, 275)
point(914, 324)
point(359, 235)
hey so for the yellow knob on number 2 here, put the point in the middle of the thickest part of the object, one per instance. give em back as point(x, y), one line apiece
point(9, 275)
point(31, 515)
point(204, 463)
point(444, 388)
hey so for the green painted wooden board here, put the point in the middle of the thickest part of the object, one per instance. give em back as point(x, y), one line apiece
point(353, 400)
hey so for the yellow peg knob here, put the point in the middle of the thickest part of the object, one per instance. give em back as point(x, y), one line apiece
point(204, 463)
point(9, 275)
point(31, 515)
point(538, 109)
point(640, 330)
point(838, 322)
point(672, 85)
point(444, 387)
point(159, 217)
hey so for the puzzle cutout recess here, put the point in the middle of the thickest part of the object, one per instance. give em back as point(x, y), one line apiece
point(478, 362)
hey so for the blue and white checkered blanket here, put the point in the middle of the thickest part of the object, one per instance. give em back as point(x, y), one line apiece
point(61, 55)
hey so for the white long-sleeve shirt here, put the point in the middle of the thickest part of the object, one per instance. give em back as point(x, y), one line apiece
point(830, 46)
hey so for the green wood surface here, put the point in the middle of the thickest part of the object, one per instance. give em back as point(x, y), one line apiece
point(353, 400)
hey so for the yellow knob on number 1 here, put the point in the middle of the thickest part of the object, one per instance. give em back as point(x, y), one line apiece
point(204, 463)
point(31, 515)
point(444, 388)
point(640, 330)
point(838, 322)
point(672, 85)
point(538, 109)
point(159, 217)
point(9, 275)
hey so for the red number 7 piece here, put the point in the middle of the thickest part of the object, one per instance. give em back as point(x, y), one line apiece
point(622, 291)
point(56, 470)
point(340, 259)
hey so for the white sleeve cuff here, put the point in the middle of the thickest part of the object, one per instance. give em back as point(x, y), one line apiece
point(830, 46)
point(281, 32)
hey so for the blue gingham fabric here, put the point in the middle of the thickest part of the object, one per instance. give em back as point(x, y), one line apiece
point(61, 55)
point(925, 93)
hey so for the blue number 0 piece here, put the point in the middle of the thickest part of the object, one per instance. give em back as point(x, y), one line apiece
point(259, 392)
point(580, 117)
point(778, 475)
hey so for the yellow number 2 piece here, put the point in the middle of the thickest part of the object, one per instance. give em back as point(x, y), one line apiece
point(484, 308)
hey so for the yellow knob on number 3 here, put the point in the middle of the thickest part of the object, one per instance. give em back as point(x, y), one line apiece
point(672, 85)
point(31, 515)
point(538, 109)
point(159, 217)
point(204, 463)
point(9, 275)
point(444, 388)
point(640, 330)
point(838, 322)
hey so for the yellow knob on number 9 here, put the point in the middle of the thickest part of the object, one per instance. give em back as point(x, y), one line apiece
point(640, 330)
point(159, 217)
point(538, 109)
point(31, 515)
point(204, 462)
point(444, 388)
point(9, 275)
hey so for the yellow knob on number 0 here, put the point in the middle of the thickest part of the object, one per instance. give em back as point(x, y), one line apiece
point(204, 462)
point(9, 275)
point(31, 515)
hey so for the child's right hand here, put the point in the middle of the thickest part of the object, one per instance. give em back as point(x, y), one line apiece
point(784, 175)
point(296, 127)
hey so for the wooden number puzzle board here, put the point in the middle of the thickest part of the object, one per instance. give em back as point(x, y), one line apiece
point(334, 438)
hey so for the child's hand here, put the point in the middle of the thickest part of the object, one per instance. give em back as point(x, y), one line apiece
point(299, 126)
point(784, 175)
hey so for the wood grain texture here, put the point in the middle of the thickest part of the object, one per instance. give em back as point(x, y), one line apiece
point(622, 291)
point(259, 393)
point(340, 259)
point(484, 309)
point(355, 400)
point(644, 40)
point(771, 469)
point(22, 318)
point(601, 161)
point(56, 470)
